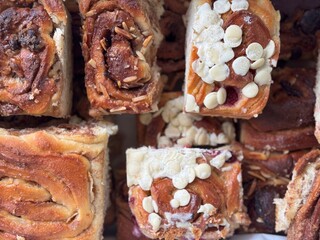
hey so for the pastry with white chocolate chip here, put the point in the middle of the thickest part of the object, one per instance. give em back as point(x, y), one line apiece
point(170, 126)
point(178, 193)
point(231, 49)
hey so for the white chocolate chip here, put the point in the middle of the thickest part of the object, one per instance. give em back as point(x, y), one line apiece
point(145, 182)
point(263, 77)
point(155, 206)
point(202, 137)
point(270, 49)
point(210, 35)
point(155, 221)
point(221, 6)
point(222, 138)
point(172, 132)
point(191, 175)
point(219, 160)
point(145, 118)
point(147, 204)
point(222, 95)
point(233, 36)
point(206, 17)
point(164, 142)
point(191, 133)
point(211, 100)
point(254, 51)
point(179, 182)
point(203, 170)
point(219, 72)
point(238, 5)
point(191, 105)
point(182, 142)
point(199, 66)
point(213, 139)
point(175, 122)
point(257, 64)
point(229, 130)
point(174, 203)
point(250, 90)
point(184, 120)
point(183, 197)
point(241, 66)
point(207, 210)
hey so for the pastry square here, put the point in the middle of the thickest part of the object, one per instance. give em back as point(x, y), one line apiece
point(170, 126)
point(231, 48)
point(35, 58)
point(120, 42)
point(185, 193)
point(298, 213)
point(54, 182)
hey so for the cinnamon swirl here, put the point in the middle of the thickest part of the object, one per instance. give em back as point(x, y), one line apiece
point(177, 193)
point(53, 181)
point(231, 48)
point(120, 42)
point(35, 61)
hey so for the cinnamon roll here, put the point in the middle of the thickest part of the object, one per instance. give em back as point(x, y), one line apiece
point(35, 61)
point(287, 121)
point(298, 213)
point(170, 126)
point(178, 193)
point(53, 181)
point(231, 49)
point(120, 42)
point(265, 177)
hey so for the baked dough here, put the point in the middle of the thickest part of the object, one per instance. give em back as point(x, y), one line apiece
point(185, 193)
point(120, 42)
point(298, 213)
point(54, 181)
point(214, 86)
point(35, 61)
point(170, 126)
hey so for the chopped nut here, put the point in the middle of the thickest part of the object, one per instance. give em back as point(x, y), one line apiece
point(140, 98)
point(123, 32)
point(140, 56)
point(125, 26)
point(103, 44)
point(130, 79)
point(147, 41)
point(91, 13)
point(92, 63)
point(120, 109)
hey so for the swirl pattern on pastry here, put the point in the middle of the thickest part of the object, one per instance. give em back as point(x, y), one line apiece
point(52, 181)
point(120, 42)
point(176, 193)
point(36, 70)
point(298, 212)
point(230, 74)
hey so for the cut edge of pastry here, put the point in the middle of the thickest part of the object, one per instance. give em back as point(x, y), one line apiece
point(317, 106)
point(298, 190)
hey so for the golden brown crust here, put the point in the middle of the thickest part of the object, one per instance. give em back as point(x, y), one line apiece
point(222, 190)
point(120, 41)
point(263, 26)
point(265, 177)
point(282, 140)
point(298, 212)
point(291, 102)
point(53, 183)
point(34, 65)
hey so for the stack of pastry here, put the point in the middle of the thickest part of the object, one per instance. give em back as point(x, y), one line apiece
point(189, 178)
